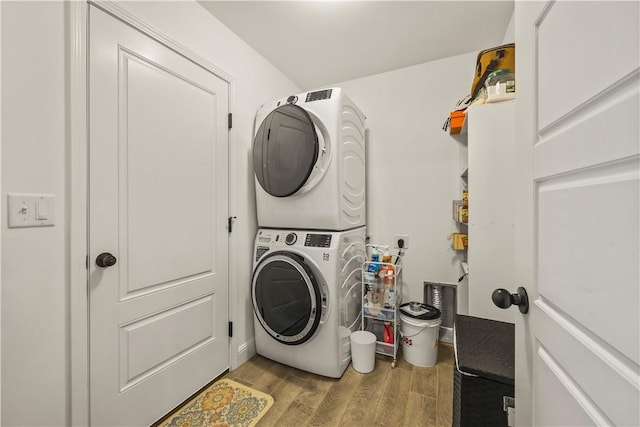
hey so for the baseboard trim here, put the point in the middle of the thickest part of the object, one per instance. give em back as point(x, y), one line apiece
point(246, 351)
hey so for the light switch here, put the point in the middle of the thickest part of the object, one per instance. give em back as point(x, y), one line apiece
point(42, 209)
point(30, 210)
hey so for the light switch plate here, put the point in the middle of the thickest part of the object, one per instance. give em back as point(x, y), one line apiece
point(24, 208)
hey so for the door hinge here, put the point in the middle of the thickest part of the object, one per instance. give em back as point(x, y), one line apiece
point(230, 120)
point(230, 223)
point(86, 262)
point(509, 406)
point(230, 329)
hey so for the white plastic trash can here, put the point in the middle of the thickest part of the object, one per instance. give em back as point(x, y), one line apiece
point(420, 333)
point(363, 351)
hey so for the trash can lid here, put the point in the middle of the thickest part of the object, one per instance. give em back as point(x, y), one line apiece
point(417, 310)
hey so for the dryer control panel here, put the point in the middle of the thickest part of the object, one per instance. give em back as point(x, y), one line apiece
point(318, 95)
point(318, 240)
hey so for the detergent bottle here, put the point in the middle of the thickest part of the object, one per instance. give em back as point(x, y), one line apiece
point(372, 279)
point(387, 334)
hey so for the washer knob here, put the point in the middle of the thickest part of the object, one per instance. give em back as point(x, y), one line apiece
point(291, 239)
point(292, 99)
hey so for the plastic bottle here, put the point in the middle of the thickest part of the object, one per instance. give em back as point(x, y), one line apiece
point(389, 298)
point(372, 279)
point(374, 265)
point(387, 335)
point(387, 266)
point(388, 281)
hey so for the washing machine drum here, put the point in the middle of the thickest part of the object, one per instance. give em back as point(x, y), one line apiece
point(285, 150)
point(286, 298)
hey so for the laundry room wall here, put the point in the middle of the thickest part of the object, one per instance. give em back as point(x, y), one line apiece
point(34, 291)
point(413, 165)
point(35, 386)
point(510, 33)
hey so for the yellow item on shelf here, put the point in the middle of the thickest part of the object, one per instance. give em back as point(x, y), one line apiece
point(460, 241)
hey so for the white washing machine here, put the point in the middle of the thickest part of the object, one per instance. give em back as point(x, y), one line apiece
point(307, 297)
point(309, 162)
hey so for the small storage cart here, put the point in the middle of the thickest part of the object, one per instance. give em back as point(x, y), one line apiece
point(381, 298)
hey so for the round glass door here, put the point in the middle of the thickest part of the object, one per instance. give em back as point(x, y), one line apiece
point(286, 298)
point(285, 150)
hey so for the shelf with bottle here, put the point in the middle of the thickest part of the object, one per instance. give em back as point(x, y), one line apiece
point(387, 335)
point(381, 280)
point(460, 210)
point(378, 313)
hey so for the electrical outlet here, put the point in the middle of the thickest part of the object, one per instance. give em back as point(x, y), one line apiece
point(405, 241)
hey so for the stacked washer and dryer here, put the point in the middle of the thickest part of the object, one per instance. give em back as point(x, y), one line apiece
point(309, 164)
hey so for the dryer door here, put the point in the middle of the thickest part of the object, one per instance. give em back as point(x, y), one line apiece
point(285, 150)
point(286, 298)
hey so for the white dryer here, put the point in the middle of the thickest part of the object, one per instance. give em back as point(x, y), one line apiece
point(307, 297)
point(309, 162)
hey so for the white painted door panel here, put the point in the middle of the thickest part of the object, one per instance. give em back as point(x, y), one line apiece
point(158, 200)
point(597, 48)
point(577, 221)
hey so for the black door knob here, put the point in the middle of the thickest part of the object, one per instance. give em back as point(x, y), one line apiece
point(105, 259)
point(503, 299)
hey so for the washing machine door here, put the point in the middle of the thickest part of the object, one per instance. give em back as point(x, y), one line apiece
point(285, 150)
point(286, 298)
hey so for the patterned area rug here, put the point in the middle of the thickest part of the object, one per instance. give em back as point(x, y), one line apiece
point(225, 403)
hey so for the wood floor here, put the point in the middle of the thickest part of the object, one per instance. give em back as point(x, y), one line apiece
point(404, 396)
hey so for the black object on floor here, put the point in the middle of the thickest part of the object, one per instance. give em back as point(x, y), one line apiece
point(485, 358)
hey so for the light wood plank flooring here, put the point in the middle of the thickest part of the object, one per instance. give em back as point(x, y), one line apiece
point(405, 396)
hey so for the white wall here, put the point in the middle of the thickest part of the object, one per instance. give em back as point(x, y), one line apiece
point(34, 286)
point(413, 164)
point(35, 290)
point(510, 32)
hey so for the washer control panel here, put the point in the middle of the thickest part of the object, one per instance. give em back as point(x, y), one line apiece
point(318, 240)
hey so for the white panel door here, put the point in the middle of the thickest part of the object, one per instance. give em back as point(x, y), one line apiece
point(158, 202)
point(577, 213)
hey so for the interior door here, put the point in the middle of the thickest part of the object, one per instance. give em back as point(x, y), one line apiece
point(158, 204)
point(578, 349)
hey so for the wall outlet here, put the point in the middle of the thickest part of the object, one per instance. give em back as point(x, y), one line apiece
point(401, 237)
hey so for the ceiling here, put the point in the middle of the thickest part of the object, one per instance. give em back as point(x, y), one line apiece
point(316, 43)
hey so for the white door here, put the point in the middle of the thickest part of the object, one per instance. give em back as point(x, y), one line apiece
point(577, 128)
point(158, 200)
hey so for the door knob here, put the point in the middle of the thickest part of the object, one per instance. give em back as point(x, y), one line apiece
point(105, 259)
point(503, 299)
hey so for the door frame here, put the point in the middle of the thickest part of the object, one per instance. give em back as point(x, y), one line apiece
point(524, 231)
point(78, 388)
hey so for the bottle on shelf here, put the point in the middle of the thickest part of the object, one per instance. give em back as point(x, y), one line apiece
point(388, 281)
point(387, 335)
point(374, 295)
point(389, 296)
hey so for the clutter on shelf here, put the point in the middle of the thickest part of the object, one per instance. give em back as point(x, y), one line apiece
point(460, 241)
point(494, 80)
point(381, 280)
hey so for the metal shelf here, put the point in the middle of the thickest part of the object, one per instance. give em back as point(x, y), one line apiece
point(372, 313)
